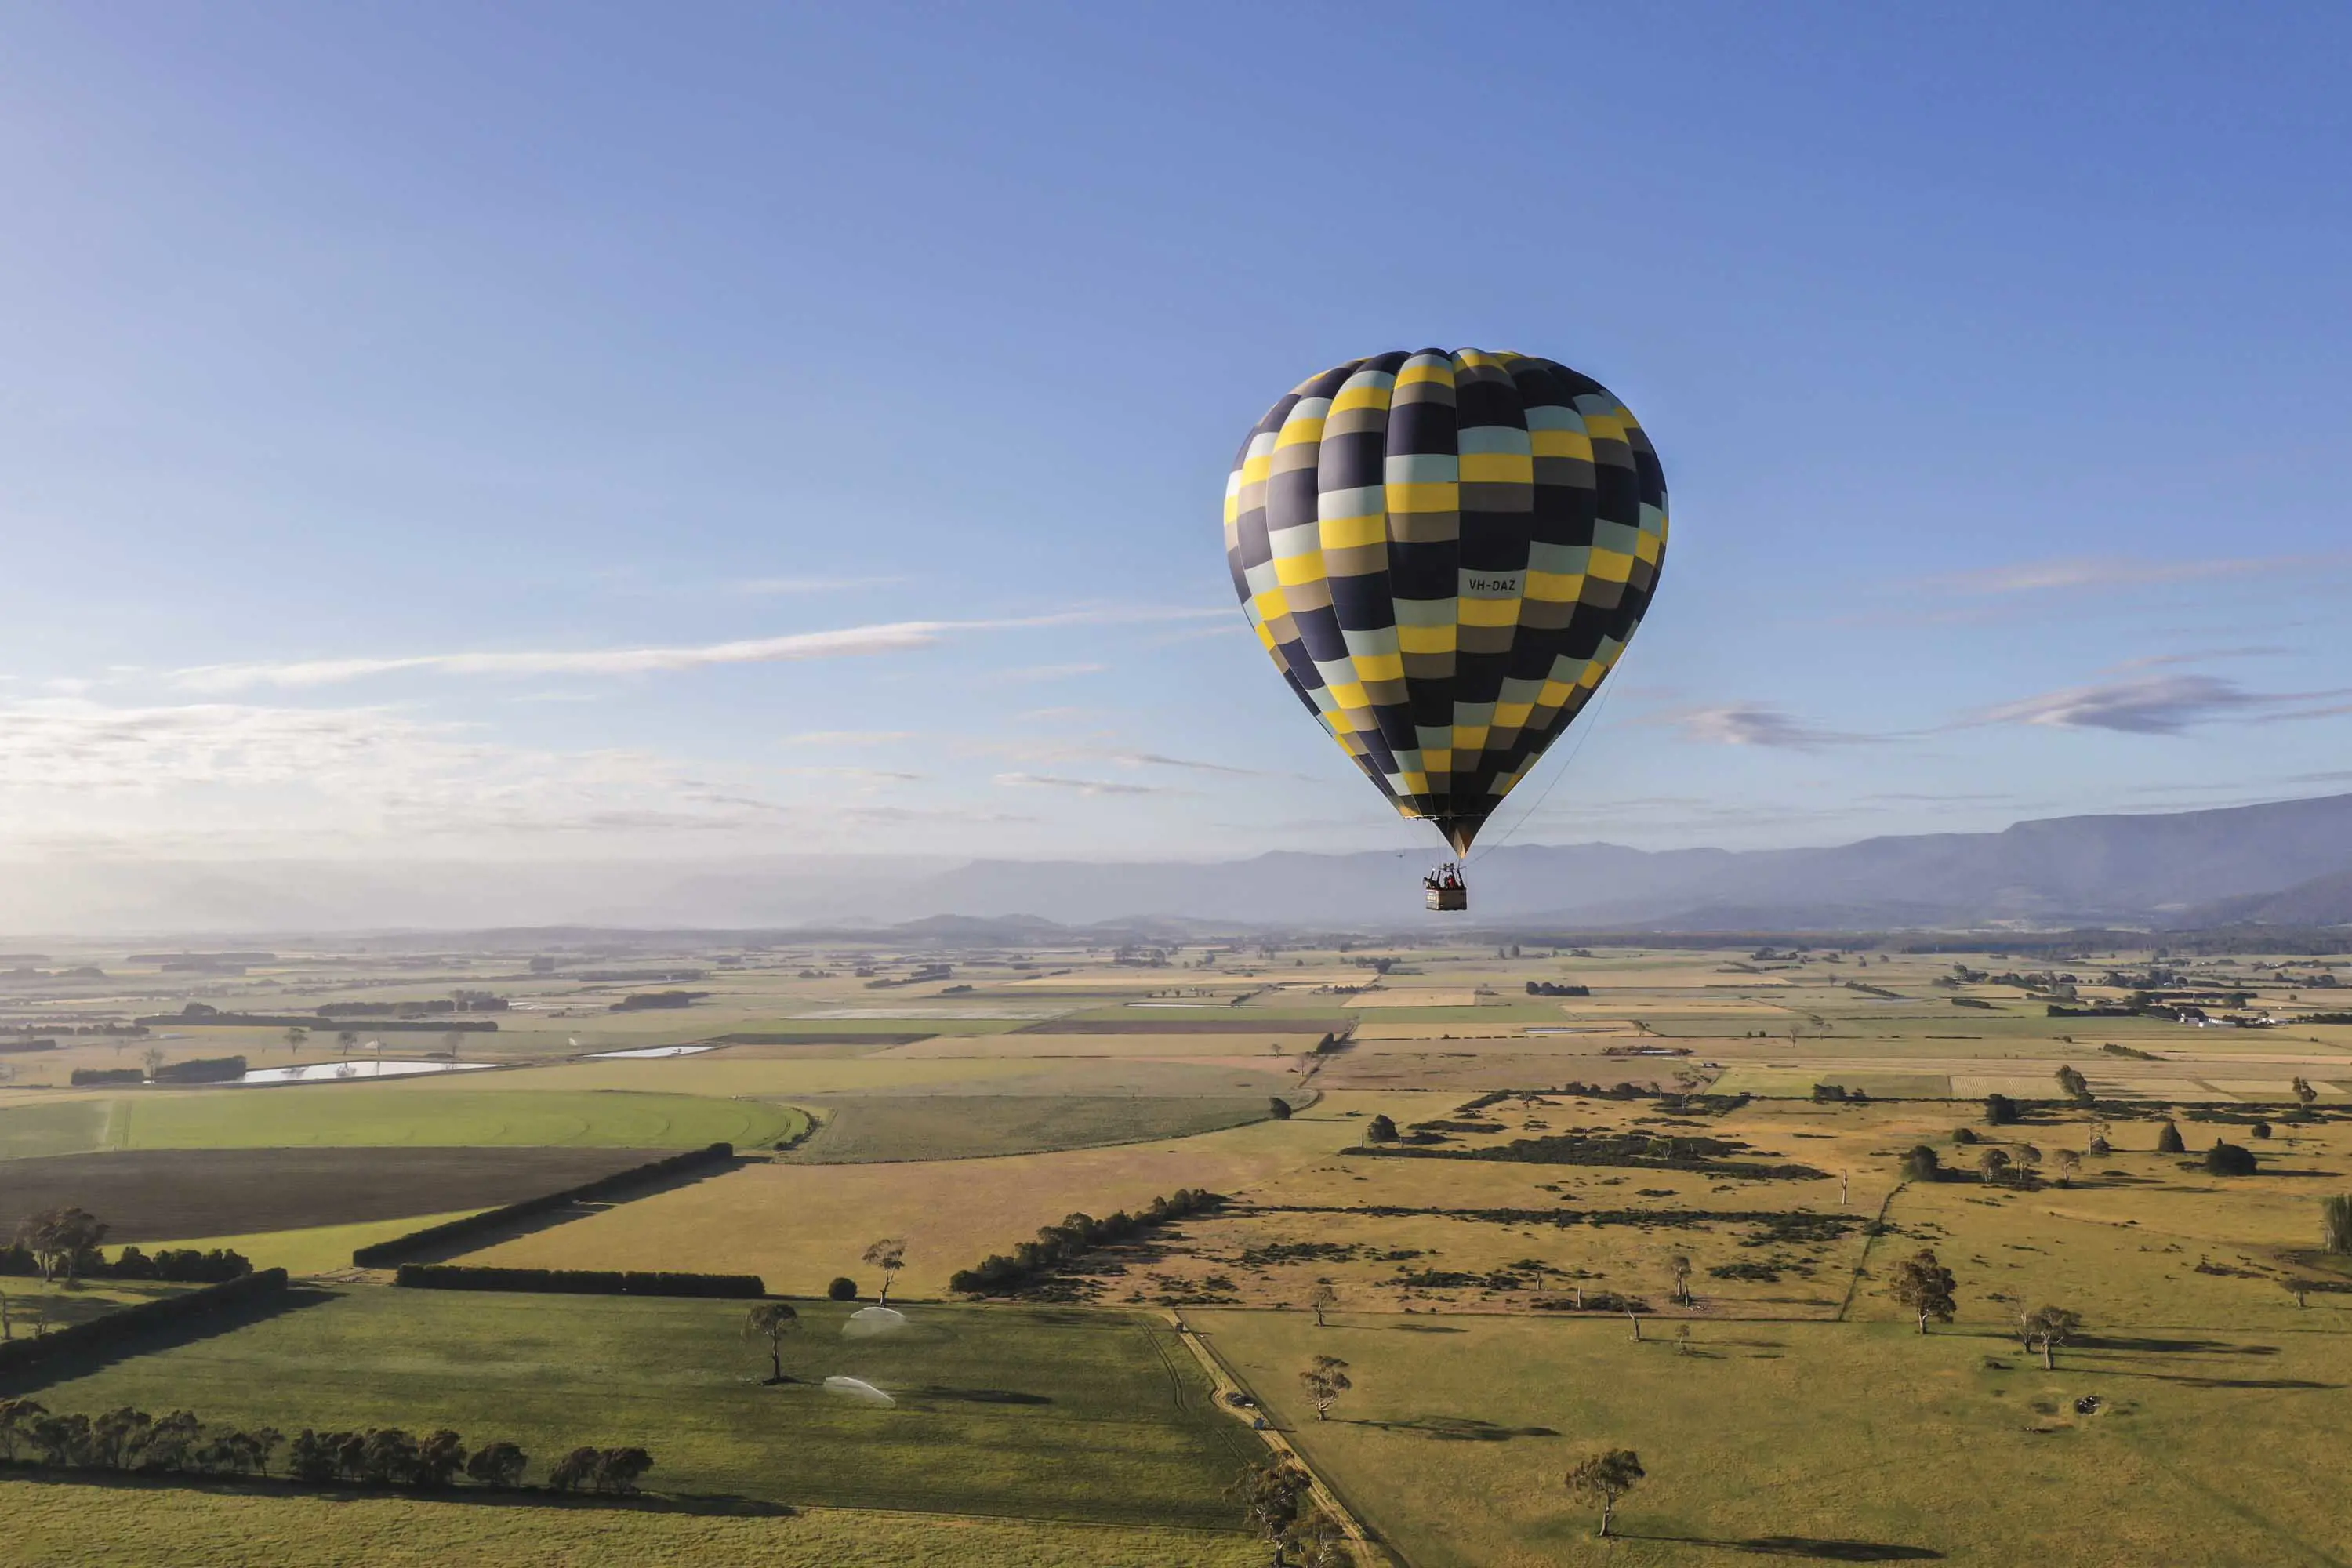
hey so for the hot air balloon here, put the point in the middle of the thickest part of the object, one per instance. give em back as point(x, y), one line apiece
point(1446, 555)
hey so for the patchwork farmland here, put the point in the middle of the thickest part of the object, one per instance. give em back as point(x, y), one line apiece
point(1534, 1200)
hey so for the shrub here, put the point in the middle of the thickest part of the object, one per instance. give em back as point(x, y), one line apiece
point(1921, 1164)
point(83, 1077)
point(1278, 1108)
point(2260, 1130)
point(2169, 1140)
point(2229, 1160)
point(842, 1289)
point(1964, 1134)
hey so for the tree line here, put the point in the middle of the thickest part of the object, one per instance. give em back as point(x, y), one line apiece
point(177, 1444)
point(1004, 1274)
point(65, 1242)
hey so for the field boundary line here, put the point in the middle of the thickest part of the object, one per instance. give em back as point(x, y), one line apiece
point(1327, 1494)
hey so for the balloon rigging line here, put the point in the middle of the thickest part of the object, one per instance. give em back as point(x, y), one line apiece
point(1584, 733)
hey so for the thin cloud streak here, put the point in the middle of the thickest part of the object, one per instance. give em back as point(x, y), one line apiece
point(2090, 573)
point(1083, 786)
point(1758, 724)
point(850, 642)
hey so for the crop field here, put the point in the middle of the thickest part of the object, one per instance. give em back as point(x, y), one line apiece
point(130, 1526)
point(1021, 1412)
point(392, 1115)
point(952, 1127)
point(151, 1195)
point(798, 1225)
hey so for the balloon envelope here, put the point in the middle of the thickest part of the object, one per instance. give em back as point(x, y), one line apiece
point(1445, 553)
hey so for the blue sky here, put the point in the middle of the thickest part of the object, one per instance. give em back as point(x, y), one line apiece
point(572, 431)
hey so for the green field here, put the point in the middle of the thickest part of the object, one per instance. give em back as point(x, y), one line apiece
point(1822, 1441)
point(59, 1522)
point(952, 1127)
point(1060, 1415)
point(361, 1115)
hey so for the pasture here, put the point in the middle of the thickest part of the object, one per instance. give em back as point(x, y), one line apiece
point(1010, 1413)
point(961, 1126)
point(1817, 1441)
point(119, 1526)
point(391, 1114)
point(149, 1195)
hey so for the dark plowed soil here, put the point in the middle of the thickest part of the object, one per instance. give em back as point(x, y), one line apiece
point(167, 1195)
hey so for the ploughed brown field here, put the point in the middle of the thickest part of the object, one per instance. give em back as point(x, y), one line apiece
point(169, 1194)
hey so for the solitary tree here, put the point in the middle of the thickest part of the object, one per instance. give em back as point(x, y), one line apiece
point(2227, 1159)
point(1323, 1297)
point(2073, 1085)
point(2336, 1223)
point(2050, 1326)
point(453, 1042)
point(2070, 1165)
point(1325, 1382)
point(1277, 1106)
point(344, 1041)
point(1680, 1267)
point(295, 1039)
point(2000, 1110)
point(2169, 1140)
point(888, 1255)
point(1604, 1478)
point(2304, 1092)
point(1925, 1286)
point(1383, 1129)
point(1994, 1163)
point(772, 1321)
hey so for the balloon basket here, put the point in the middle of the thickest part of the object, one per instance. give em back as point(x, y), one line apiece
point(1449, 898)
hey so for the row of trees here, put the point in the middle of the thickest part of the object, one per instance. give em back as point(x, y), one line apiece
point(1058, 1245)
point(128, 1439)
point(64, 1242)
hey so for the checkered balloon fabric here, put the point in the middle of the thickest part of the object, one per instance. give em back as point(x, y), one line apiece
point(1446, 555)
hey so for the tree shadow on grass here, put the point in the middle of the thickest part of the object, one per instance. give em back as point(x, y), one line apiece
point(2170, 1347)
point(1424, 1328)
point(1808, 1547)
point(721, 1505)
point(1459, 1429)
point(982, 1396)
point(67, 1365)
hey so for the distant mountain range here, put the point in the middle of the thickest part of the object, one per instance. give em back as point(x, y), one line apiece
point(2287, 863)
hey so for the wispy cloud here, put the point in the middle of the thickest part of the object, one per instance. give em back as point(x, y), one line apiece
point(2144, 705)
point(782, 585)
point(2097, 573)
point(859, 776)
point(848, 737)
point(1029, 672)
point(848, 642)
point(1083, 786)
point(1758, 724)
